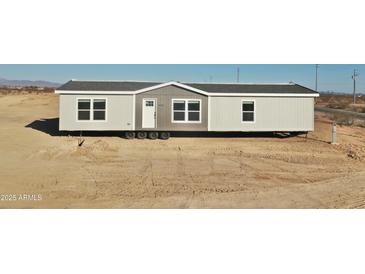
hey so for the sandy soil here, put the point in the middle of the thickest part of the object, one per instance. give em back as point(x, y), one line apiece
point(207, 172)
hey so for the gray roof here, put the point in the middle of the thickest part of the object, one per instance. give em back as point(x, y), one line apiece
point(252, 88)
point(106, 85)
point(207, 87)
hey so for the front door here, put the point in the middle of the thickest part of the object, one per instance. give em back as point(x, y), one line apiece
point(149, 113)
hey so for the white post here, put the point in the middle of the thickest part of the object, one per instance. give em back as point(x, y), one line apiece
point(333, 133)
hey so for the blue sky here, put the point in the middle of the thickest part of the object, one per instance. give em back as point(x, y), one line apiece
point(331, 77)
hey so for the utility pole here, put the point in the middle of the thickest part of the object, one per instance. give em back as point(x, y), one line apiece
point(354, 75)
point(316, 77)
point(238, 75)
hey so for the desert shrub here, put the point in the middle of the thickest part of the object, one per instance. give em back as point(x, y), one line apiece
point(338, 104)
point(342, 119)
point(360, 108)
point(359, 123)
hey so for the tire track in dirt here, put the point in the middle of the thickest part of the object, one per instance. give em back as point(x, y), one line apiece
point(180, 166)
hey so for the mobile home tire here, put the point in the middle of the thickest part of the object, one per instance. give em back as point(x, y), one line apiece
point(153, 135)
point(165, 135)
point(130, 135)
point(141, 135)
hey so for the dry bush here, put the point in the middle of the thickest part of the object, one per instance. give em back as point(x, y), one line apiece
point(337, 104)
point(347, 120)
point(25, 90)
point(328, 98)
point(360, 108)
point(359, 123)
point(342, 119)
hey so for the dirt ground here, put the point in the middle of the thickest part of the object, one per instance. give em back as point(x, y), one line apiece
point(39, 168)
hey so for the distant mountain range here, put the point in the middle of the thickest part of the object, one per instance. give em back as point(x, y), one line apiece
point(24, 83)
point(358, 93)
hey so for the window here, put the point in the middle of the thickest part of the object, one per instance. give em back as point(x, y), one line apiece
point(99, 109)
point(150, 103)
point(248, 111)
point(186, 111)
point(83, 109)
point(91, 109)
point(179, 110)
point(193, 110)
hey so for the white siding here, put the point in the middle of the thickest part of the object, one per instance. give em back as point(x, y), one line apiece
point(272, 114)
point(119, 113)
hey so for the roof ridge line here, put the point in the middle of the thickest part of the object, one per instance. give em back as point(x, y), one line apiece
point(139, 81)
point(187, 83)
point(233, 83)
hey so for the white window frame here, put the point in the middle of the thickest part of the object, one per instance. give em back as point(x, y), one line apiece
point(77, 109)
point(92, 110)
point(186, 111)
point(254, 111)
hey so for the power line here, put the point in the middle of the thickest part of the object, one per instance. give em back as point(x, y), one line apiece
point(316, 77)
point(238, 74)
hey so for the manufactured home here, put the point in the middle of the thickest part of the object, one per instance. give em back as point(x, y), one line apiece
point(153, 110)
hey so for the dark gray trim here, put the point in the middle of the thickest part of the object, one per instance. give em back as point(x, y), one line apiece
point(207, 87)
